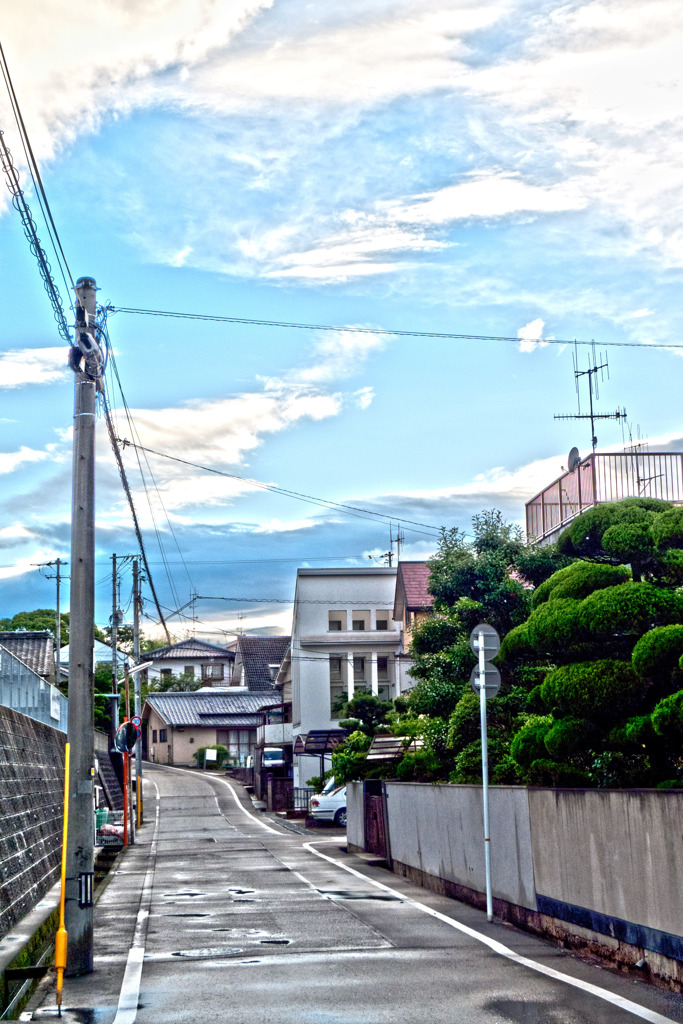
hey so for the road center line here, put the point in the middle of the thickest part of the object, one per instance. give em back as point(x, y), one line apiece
point(498, 947)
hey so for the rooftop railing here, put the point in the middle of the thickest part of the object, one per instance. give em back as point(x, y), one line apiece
point(23, 690)
point(600, 478)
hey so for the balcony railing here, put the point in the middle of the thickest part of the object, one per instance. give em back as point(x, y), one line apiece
point(601, 478)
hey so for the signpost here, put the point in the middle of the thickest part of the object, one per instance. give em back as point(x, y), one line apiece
point(210, 755)
point(485, 680)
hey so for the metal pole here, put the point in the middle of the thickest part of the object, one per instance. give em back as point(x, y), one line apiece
point(485, 774)
point(81, 845)
point(114, 660)
point(58, 623)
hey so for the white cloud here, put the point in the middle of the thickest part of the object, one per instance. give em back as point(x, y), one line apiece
point(9, 461)
point(21, 367)
point(531, 336)
point(364, 397)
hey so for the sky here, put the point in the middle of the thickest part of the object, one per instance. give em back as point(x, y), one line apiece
point(499, 168)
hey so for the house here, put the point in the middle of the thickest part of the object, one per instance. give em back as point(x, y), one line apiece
point(258, 660)
point(34, 647)
point(345, 641)
point(101, 655)
point(412, 604)
point(175, 725)
point(191, 660)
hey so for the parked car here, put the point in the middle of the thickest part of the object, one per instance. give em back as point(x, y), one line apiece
point(273, 757)
point(330, 805)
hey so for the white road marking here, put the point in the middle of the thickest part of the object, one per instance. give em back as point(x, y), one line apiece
point(498, 947)
point(129, 995)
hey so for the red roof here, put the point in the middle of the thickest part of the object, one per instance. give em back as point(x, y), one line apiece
point(413, 578)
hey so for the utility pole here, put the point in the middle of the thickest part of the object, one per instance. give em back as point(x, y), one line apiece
point(58, 623)
point(137, 684)
point(114, 654)
point(85, 358)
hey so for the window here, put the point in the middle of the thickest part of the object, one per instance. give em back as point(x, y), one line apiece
point(154, 736)
point(240, 743)
point(336, 621)
point(360, 683)
point(382, 624)
point(383, 669)
point(188, 671)
point(273, 671)
point(383, 619)
point(162, 736)
point(358, 624)
point(166, 673)
point(337, 686)
point(212, 671)
point(360, 620)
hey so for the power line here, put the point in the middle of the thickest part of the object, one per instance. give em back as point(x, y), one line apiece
point(353, 510)
point(444, 335)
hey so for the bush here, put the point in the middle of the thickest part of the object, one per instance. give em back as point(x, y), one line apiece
point(463, 725)
point(544, 772)
point(567, 737)
point(434, 634)
point(667, 717)
point(434, 697)
point(628, 610)
point(222, 752)
point(667, 529)
point(614, 769)
point(658, 651)
point(604, 688)
point(578, 580)
point(529, 743)
point(348, 760)
point(553, 628)
point(422, 766)
point(468, 761)
point(583, 538)
point(515, 645)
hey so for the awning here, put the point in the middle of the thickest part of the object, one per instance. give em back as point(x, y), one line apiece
point(322, 741)
point(389, 748)
point(300, 744)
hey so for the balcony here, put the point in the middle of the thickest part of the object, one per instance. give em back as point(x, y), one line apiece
point(600, 478)
point(274, 734)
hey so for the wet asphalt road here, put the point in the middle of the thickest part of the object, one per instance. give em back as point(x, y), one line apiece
point(248, 924)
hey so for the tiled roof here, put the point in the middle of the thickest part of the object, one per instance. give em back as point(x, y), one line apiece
point(34, 647)
point(414, 577)
point(219, 709)
point(257, 653)
point(191, 648)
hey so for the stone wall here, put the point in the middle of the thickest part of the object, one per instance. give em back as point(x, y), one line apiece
point(31, 807)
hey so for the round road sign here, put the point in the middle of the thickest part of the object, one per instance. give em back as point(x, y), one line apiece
point(491, 679)
point(491, 640)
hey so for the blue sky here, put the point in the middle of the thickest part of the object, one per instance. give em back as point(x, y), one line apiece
point(491, 168)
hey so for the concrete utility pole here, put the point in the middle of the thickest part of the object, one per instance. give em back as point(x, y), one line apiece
point(85, 358)
point(58, 623)
point(138, 683)
point(114, 653)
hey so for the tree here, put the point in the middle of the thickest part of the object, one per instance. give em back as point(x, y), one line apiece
point(39, 619)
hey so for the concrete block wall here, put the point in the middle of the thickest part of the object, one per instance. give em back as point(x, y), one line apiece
point(31, 807)
point(598, 870)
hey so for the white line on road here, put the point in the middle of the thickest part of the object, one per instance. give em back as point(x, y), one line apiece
point(498, 947)
point(129, 995)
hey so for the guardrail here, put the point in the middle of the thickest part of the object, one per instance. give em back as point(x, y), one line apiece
point(22, 690)
point(601, 478)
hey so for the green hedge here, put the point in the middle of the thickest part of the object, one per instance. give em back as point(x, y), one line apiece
point(667, 529)
point(567, 737)
point(630, 609)
point(605, 688)
point(529, 743)
point(658, 651)
point(667, 717)
point(578, 580)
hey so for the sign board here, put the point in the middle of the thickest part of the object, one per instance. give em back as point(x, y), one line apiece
point(211, 755)
point(491, 640)
point(55, 710)
point(491, 679)
point(137, 722)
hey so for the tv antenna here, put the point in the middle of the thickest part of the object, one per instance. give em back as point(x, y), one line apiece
point(591, 373)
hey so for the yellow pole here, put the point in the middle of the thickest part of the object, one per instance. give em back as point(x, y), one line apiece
point(60, 939)
point(138, 785)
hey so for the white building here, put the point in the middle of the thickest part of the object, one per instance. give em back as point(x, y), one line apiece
point(344, 641)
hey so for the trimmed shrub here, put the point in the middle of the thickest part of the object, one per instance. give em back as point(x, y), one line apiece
point(223, 755)
point(604, 688)
point(553, 629)
point(614, 769)
point(535, 702)
point(628, 610)
point(658, 651)
point(583, 537)
point(568, 736)
point(528, 744)
point(579, 580)
point(422, 766)
point(434, 697)
point(434, 634)
point(468, 761)
point(667, 529)
point(515, 645)
point(636, 732)
point(667, 717)
point(670, 567)
point(629, 542)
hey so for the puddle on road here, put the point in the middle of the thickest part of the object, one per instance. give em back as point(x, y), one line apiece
point(184, 893)
point(241, 892)
point(208, 951)
point(349, 894)
point(185, 915)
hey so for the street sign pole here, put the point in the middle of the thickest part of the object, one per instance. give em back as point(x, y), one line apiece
point(485, 774)
point(485, 680)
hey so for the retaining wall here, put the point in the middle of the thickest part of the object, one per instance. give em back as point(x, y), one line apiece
point(596, 869)
point(31, 806)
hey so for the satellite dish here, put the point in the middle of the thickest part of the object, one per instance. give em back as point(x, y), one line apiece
point(573, 460)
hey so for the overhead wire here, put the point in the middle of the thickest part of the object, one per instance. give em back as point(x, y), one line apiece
point(405, 333)
point(356, 511)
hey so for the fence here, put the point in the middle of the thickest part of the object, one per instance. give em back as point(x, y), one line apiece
point(24, 691)
point(604, 477)
point(596, 869)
